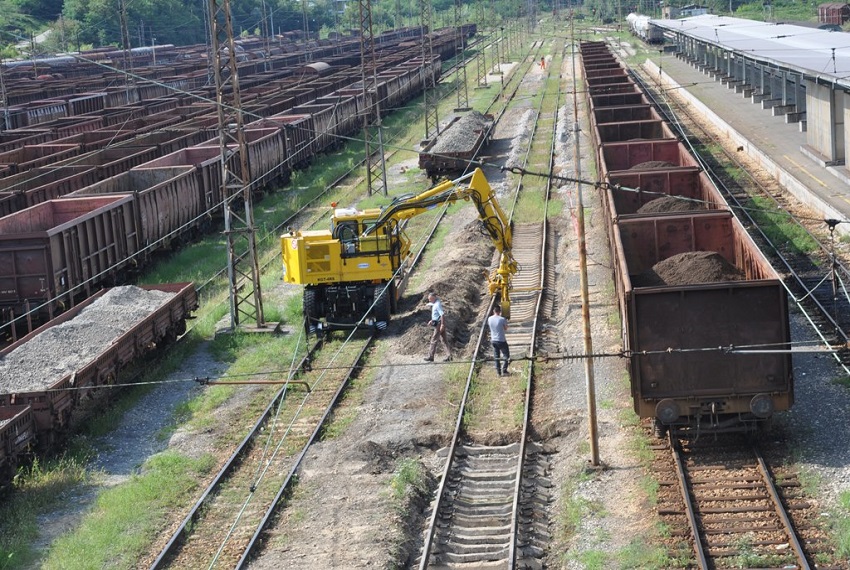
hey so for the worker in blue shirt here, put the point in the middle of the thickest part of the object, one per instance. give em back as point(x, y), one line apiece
point(438, 322)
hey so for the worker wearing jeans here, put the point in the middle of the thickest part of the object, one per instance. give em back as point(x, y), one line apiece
point(438, 321)
point(498, 325)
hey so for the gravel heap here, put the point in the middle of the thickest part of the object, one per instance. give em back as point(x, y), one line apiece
point(669, 204)
point(689, 268)
point(63, 349)
point(463, 134)
point(652, 164)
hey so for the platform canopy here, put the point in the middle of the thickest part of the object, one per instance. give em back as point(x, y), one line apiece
point(819, 54)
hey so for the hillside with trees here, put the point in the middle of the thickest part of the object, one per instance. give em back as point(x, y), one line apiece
point(80, 24)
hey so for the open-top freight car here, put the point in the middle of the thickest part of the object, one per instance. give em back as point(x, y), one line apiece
point(454, 149)
point(136, 320)
point(17, 437)
point(55, 254)
point(704, 314)
point(98, 338)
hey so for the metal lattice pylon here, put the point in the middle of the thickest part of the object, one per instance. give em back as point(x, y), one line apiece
point(429, 94)
point(480, 58)
point(375, 161)
point(460, 76)
point(125, 45)
point(242, 265)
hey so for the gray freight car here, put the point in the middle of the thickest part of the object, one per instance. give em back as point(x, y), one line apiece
point(457, 145)
point(40, 406)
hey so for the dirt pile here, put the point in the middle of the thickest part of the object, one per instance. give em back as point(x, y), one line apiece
point(669, 204)
point(651, 164)
point(461, 293)
point(689, 268)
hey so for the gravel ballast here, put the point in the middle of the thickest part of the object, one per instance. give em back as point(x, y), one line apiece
point(463, 135)
point(64, 348)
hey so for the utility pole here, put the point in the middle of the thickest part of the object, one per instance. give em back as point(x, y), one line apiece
point(376, 167)
point(125, 41)
point(6, 123)
point(480, 57)
point(243, 268)
point(582, 258)
point(306, 27)
point(460, 76)
point(429, 93)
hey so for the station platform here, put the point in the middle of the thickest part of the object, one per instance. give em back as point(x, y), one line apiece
point(775, 144)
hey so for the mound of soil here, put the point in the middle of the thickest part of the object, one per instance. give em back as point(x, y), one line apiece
point(460, 291)
point(669, 204)
point(650, 164)
point(689, 268)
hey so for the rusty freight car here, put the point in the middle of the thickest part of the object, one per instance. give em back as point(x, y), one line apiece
point(693, 287)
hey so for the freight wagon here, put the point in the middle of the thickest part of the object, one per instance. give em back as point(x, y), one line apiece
point(53, 252)
point(693, 287)
point(17, 437)
point(457, 145)
point(39, 409)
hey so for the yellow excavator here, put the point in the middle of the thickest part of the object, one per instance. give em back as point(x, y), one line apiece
point(355, 272)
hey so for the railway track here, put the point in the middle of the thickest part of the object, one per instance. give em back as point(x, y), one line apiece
point(212, 535)
point(732, 508)
point(222, 527)
point(487, 509)
point(815, 271)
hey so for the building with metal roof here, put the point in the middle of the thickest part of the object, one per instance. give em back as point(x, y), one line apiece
point(800, 73)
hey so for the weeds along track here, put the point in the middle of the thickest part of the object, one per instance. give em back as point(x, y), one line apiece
point(803, 249)
point(720, 496)
point(488, 507)
point(222, 526)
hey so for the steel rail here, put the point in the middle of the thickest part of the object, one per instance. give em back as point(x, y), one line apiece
point(264, 523)
point(440, 495)
point(232, 462)
point(794, 540)
point(175, 541)
point(512, 549)
point(266, 519)
point(699, 551)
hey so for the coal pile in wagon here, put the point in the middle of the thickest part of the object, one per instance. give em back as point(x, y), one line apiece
point(652, 164)
point(669, 204)
point(689, 268)
point(62, 349)
point(462, 135)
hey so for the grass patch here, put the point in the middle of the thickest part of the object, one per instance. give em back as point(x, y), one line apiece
point(842, 526)
point(125, 519)
point(530, 207)
point(37, 489)
point(345, 414)
point(637, 555)
point(779, 228)
point(593, 560)
point(574, 508)
point(408, 478)
point(842, 381)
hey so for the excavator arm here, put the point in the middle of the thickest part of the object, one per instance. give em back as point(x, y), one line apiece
point(473, 187)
